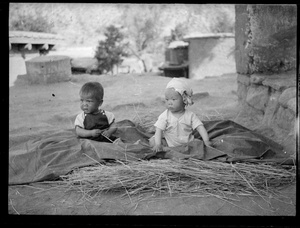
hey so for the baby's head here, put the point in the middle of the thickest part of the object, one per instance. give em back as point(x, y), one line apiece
point(91, 96)
point(180, 87)
point(174, 100)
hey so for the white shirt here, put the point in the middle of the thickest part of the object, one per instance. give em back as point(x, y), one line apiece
point(178, 131)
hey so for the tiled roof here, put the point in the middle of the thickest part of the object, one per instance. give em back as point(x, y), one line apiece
point(24, 37)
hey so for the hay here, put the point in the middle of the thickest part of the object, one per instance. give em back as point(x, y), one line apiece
point(180, 177)
point(146, 121)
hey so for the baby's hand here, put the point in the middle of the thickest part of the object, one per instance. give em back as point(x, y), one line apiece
point(106, 133)
point(157, 148)
point(208, 143)
point(96, 132)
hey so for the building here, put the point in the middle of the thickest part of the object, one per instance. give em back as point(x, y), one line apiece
point(210, 54)
point(24, 42)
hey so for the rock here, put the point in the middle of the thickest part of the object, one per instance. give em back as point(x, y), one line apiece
point(257, 79)
point(287, 95)
point(281, 81)
point(243, 79)
point(258, 97)
point(242, 92)
point(250, 114)
point(272, 107)
point(289, 145)
point(292, 104)
point(285, 118)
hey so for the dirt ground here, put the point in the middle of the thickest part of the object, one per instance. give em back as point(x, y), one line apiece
point(36, 108)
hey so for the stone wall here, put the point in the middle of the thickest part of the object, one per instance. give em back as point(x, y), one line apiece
point(272, 99)
point(266, 66)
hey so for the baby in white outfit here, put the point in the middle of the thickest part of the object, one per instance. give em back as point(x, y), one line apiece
point(177, 123)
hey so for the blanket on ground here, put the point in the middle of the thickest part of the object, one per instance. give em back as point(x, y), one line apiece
point(48, 157)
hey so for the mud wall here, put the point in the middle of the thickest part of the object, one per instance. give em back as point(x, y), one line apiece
point(211, 56)
point(48, 69)
point(266, 65)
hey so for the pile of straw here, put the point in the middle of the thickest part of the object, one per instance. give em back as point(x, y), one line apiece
point(184, 177)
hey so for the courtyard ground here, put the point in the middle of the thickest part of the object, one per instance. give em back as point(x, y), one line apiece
point(34, 109)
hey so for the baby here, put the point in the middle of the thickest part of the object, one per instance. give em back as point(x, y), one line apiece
point(94, 123)
point(177, 123)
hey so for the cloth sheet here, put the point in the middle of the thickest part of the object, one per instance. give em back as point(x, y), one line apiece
point(49, 156)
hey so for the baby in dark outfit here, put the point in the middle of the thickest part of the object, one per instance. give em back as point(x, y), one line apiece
point(94, 123)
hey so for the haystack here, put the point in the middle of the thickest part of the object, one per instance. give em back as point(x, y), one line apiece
point(184, 177)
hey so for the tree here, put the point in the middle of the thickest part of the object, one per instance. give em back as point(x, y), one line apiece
point(178, 32)
point(222, 23)
point(110, 51)
point(31, 24)
point(143, 29)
